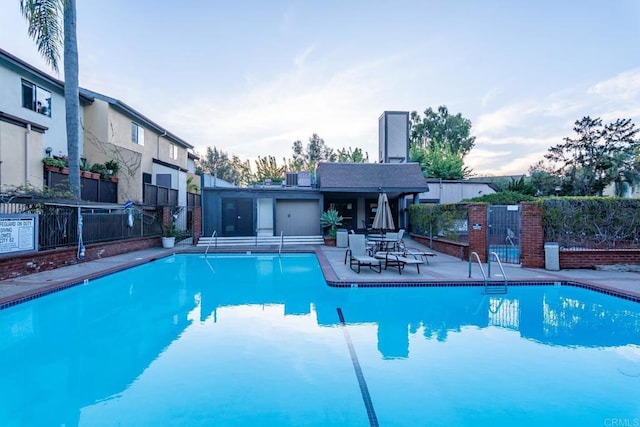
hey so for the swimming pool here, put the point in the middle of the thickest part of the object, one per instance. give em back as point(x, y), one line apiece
point(262, 340)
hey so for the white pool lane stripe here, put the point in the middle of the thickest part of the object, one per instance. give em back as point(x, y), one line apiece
point(364, 390)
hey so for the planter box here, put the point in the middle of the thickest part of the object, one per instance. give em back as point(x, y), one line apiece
point(329, 241)
point(168, 242)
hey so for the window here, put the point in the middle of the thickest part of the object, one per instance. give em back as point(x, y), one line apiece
point(137, 134)
point(173, 151)
point(36, 99)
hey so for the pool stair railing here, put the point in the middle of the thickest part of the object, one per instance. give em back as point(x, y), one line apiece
point(489, 288)
point(214, 237)
point(257, 241)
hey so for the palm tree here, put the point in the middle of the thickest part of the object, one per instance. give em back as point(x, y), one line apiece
point(43, 18)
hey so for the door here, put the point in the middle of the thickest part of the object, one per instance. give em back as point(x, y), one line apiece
point(237, 217)
point(503, 232)
point(298, 217)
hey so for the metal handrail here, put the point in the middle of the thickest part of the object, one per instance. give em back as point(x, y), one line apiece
point(484, 276)
point(213, 235)
point(281, 242)
point(499, 265)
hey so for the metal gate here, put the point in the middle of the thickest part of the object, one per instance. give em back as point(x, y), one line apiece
point(503, 232)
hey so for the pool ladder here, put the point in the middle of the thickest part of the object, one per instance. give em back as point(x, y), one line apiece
point(489, 288)
point(214, 237)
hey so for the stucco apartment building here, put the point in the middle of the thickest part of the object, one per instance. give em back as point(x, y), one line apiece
point(32, 126)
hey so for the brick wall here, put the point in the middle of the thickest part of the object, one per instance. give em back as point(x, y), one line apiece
point(22, 265)
point(591, 258)
point(477, 213)
point(531, 235)
point(449, 247)
point(197, 223)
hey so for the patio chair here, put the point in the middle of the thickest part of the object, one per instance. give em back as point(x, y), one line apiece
point(400, 242)
point(415, 253)
point(398, 259)
point(359, 256)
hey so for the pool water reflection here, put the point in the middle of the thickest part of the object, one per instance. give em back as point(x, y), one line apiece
point(257, 340)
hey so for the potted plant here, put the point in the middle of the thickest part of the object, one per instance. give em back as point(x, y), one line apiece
point(330, 219)
point(100, 169)
point(112, 167)
point(85, 169)
point(169, 234)
point(53, 164)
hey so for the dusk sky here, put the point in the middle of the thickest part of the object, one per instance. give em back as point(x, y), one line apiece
point(252, 77)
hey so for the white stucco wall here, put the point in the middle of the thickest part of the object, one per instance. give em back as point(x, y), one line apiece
point(11, 103)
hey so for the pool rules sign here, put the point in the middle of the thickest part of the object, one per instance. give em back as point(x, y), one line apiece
point(18, 233)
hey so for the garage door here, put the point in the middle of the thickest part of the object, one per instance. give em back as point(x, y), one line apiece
point(298, 217)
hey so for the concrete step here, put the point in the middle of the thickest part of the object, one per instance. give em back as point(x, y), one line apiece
point(259, 241)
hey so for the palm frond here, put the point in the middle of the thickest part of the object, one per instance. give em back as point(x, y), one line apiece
point(44, 18)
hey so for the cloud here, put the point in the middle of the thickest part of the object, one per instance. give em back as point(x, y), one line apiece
point(301, 58)
point(625, 86)
point(267, 117)
point(489, 97)
point(517, 135)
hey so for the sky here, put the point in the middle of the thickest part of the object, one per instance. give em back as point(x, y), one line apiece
point(252, 77)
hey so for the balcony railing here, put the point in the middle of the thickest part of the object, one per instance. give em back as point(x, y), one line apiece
point(91, 190)
point(159, 196)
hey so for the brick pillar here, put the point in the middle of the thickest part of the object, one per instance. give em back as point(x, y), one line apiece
point(477, 216)
point(197, 224)
point(532, 236)
point(166, 217)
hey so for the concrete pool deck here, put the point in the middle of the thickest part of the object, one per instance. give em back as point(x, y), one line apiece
point(441, 269)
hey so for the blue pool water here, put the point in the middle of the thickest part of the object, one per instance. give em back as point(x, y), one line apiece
point(262, 340)
point(507, 253)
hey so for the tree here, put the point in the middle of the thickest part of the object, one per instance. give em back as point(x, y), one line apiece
point(439, 142)
point(597, 157)
point(443, 129)
point(267, 168)
point(307, 158)
point(438, 162)
point(545, 180)
point(345, 155)
point(43, 19)
point(522, 186)
point(217, 162)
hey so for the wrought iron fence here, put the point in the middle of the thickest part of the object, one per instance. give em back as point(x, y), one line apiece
point(58, 222)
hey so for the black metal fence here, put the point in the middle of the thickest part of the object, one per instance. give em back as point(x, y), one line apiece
point(58, 222)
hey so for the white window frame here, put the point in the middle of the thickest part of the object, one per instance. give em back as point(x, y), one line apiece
point(137, 133)
point(173, 151)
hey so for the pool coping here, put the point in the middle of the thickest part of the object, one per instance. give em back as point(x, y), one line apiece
point(328, 272)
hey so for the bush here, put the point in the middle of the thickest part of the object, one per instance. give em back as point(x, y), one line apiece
point(592, 222)
point(503, 198)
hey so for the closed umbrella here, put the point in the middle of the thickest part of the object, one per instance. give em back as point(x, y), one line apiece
point(383, 219)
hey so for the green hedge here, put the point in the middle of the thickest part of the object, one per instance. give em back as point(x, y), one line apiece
point(447, 220)
point(592, 222)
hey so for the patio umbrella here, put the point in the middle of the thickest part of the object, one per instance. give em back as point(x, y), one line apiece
point(383, 219)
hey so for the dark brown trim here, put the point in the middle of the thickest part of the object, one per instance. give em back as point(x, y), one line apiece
point(8, 118)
